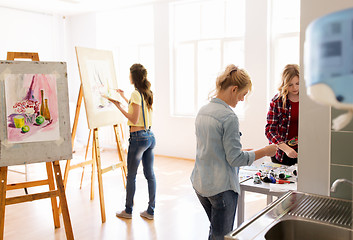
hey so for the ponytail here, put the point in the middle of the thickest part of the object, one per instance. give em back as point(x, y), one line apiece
point(232, 76)
point(141, 83)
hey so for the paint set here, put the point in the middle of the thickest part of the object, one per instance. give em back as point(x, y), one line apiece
point(281, 175)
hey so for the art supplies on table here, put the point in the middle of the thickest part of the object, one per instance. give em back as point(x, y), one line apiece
point(269, 172)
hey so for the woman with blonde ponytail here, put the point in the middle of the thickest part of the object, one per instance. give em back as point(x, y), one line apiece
point(282, 117)
point(219, 152)
point(142, 141)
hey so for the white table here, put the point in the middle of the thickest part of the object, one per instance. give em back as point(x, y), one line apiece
point(263, 188)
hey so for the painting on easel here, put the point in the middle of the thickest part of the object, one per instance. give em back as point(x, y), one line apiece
point(98, 79)
point(31, 108)
point(101, 84)
point(34, 112)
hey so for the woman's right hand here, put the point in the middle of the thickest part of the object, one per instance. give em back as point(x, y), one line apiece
point(121, 92)
point(291, 152)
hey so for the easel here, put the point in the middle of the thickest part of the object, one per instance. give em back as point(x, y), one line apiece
point(52, 193)
point(95, 157)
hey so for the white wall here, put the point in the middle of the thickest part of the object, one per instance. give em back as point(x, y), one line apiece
point(314, 119)
point(256, 55)
point(23, 31)
point(175, 135)
point(81, 31)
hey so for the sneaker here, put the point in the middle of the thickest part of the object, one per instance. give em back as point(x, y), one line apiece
point(123, 214)
point(145, 214)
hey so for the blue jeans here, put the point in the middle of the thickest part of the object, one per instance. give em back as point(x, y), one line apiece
point(220, 210)
point(141, 146)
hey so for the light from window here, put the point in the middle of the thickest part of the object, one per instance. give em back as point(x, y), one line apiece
point(184, 80)
point(285, 23)
point(286, 16)
point(209, 54)
point(286, 52)
point(186, 22)
point(212, 19)
point(130, 33)
point(233, 52)
point(206, 36)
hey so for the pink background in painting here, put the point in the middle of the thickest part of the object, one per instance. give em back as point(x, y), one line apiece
point(46, 82)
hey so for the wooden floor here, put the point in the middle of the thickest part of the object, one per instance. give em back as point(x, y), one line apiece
point(178, 213)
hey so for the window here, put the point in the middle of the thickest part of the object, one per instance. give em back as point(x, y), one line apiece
point(206, 36)
point(285, 39)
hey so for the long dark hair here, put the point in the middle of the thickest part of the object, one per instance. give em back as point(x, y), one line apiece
point(139, 79)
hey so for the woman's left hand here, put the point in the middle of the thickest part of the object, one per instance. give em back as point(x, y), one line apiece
point(117, 104)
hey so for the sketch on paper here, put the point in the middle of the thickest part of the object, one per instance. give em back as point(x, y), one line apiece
point(101, 83)
point(31, 108)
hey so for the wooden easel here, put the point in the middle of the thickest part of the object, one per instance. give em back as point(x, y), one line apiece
point(95, 157)
point(52, 193)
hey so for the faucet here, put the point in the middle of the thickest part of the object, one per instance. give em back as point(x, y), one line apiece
point(338, 181)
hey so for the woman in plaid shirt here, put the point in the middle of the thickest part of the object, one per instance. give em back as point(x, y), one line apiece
point(282, 117)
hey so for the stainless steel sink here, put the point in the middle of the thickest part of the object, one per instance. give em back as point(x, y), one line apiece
point(295, 229)
point(299, 216)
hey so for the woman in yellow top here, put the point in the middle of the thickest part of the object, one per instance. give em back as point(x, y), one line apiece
point(142, 141)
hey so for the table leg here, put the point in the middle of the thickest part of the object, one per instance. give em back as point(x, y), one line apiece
point(241, 207)
point(269, 199)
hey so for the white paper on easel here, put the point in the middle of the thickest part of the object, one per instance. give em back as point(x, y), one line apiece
point(98, 78)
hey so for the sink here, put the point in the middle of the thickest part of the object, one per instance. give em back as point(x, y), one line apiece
point(294, 229)
point(299, 216)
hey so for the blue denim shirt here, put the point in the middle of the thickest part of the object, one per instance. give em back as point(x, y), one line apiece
point(218, 153)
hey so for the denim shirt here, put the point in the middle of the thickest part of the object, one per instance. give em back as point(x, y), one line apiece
point(219, 151)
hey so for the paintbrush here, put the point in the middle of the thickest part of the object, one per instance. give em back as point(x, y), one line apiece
point(115, 89)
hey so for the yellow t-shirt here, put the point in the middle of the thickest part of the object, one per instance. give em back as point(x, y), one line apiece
point(136, 98)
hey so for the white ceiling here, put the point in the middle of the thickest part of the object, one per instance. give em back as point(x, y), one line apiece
point(70, 7)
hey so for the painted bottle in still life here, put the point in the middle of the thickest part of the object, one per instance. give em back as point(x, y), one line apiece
point(31, 107)
point(42, 102)
point(46, 113)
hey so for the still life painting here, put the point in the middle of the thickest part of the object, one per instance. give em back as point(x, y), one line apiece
point(34, 112)
point(31, 108)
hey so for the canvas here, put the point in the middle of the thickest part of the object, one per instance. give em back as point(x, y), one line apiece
point(34, 112)
point(98, 79)
point(31, 107)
